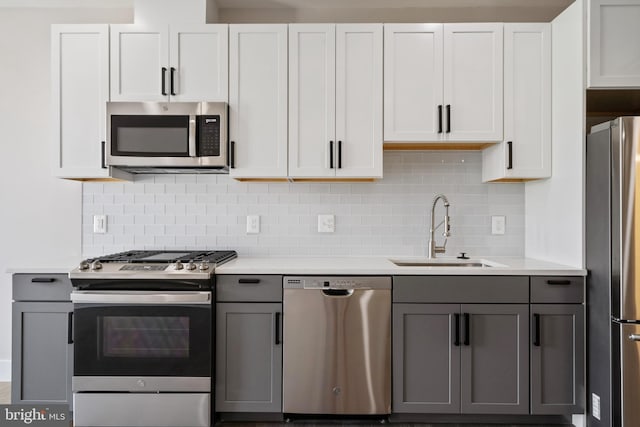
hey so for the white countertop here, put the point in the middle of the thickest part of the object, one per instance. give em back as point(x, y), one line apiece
point(382, 266)
point(57, 269)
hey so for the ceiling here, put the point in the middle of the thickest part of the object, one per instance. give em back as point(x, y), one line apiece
point(351, 10)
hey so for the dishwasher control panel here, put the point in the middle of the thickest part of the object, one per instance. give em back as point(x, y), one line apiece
point(334, 282)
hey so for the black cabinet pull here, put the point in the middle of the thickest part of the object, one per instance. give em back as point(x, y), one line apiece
point(173, 71)
point(70, 328)
point(457, 330)
point(558, 282)
point(163, 77)
point(439, 118)
point(330, 154)
point(103, 155)
point(232, 155)
point(339, 154)
point(278, 328)
point(467, 327)
point(448, 118)
point(509, 154)
point(248, 280)
point(536, 329)
point(43, 280)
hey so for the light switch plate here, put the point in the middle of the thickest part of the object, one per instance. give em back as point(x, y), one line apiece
point(595, 406)
point(498, 224)
point(253, 224)
point(326, 223)
point(100, 224)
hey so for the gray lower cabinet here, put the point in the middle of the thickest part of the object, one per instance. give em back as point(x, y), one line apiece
point(42, 351)
point(494, 359)
point(452, 358)
point(248, 373)
point(557, 358)
point(426, 359)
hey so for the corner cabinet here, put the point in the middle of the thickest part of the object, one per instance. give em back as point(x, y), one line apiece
point(443, 83)
point(525, 152)
point(614, 44)
point(184, 63)
point(80, 91)
point(335, 96)
point(42, 348)
point(258, 101)
point(248, 344)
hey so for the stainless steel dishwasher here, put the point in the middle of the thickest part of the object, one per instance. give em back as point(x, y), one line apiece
point(337, 345)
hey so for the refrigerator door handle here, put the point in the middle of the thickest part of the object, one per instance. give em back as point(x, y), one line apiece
point(634, 337)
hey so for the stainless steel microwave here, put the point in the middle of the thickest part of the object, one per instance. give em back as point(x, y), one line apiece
point(151, 137)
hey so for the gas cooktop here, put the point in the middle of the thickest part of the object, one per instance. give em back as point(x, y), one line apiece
point(156, 265)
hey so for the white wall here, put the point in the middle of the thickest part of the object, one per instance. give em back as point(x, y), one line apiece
point(554, 207)
point(385, 218)
point(40, 216)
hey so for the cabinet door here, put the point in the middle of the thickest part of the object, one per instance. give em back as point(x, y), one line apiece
point(614, 41)
point(426, 358)
point(526, 150)
point(139, 63)
point(312, 99)
point(413, 82)
point(80, 91)
point(248, 357)
point(495, 359)
point(199, 56)
point(473, 82)
point(557, 359)
point(42, 357)
point(359, 100)
point(258, 100)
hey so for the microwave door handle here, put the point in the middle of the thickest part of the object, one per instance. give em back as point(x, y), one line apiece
point(192, 135)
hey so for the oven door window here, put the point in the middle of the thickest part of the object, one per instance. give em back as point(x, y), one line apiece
point(142, 340)
point(150, 136)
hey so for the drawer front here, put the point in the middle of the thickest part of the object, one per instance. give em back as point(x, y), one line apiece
point(461, 289)
point(41, 287)
point(249, 288)
point(557, 289)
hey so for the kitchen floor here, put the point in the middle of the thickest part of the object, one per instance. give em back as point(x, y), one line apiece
point(5, 393)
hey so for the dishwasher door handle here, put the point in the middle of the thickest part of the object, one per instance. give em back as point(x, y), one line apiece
point(338, 292)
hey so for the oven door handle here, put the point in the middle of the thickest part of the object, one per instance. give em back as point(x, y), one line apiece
point(103, 297)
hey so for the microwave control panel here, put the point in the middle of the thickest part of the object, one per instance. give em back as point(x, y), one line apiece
point(208, 136)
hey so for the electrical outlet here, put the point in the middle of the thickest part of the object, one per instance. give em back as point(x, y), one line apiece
point(100, 224)
point(326, 223)
point(498, 224)
point(253, 224)
point(595, 406)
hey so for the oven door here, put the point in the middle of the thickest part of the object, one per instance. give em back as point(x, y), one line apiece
point(157, 341)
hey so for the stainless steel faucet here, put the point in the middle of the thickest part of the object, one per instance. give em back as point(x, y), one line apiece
point(433, 248)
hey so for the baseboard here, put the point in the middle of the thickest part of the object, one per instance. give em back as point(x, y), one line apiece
point(5, 370)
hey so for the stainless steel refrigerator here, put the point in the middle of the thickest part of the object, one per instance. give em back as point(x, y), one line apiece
point(613, 282)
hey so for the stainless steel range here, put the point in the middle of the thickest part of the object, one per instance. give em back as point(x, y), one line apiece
point(142, 332)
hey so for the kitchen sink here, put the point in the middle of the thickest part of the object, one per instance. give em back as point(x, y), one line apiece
point(426, 262)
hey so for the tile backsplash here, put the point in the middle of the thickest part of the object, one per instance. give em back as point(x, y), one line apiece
point(386, 217)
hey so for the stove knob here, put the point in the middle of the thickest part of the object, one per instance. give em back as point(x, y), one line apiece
point(96, 265)
point(84, 265)
point(141, 383)
point(191, 265)
point(179, 265)
point(204, 265)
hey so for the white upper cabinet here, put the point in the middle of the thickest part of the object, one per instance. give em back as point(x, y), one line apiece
point(359, 100)
point(80, 91)
point(258, 100)
point(443, 82)
point(163, 63)
point(473, 82)
point(335, 93)
point(614, 43)
point(312, 100)
point(413, 95)
point(525, 152)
